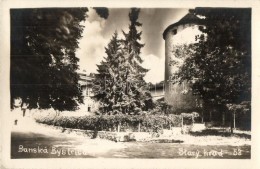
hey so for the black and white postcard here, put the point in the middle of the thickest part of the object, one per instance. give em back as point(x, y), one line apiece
point(145, 85)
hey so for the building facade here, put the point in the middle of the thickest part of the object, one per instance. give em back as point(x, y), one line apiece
point(85, 82)
point(157, 90)
point(185, 31)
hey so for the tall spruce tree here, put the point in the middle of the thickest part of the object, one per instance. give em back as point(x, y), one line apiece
point(133, 70)
point(107, 88)
point(120, 86)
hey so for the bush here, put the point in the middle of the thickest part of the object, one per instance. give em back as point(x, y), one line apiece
point(148, 123)
point(242, 113)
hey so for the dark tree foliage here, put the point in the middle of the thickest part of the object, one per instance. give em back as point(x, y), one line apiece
point(43, 61)
point(108, 81)
point(102, 12)
point(137, 91)
point(120, 86)
point(219, 65)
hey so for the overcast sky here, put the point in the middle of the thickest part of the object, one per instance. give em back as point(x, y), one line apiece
point(98, 32)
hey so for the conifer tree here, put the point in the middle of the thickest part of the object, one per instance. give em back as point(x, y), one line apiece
point(107, 81)
point(134, 72)
point(119, 84)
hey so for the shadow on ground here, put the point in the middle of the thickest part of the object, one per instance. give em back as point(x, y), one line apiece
point(219, 132)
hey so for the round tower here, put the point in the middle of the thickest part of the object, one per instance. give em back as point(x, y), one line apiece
point(185, 31)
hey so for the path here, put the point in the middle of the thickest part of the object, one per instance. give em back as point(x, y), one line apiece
point(31, 140)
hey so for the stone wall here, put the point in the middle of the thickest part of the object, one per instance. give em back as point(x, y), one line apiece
point(120, 136)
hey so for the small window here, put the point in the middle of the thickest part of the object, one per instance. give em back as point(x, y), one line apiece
point(174, 31)
point(89, 109)
point(201, 27)
point(197, 37)
point(87, 92)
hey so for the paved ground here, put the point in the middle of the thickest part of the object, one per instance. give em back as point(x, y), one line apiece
point(30, 140)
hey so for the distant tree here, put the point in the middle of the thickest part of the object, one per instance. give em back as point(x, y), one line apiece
point(121, 87)
point(218, 67)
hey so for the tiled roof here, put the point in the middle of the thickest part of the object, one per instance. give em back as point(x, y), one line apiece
point(189, 18)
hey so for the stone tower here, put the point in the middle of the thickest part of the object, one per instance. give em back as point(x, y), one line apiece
point(185, 31)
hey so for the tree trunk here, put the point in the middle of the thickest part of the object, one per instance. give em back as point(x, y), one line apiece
point(223, 118)
point(234, 120)
point(202, 117)
point(181, 121)
point(210, 116)
point(139, 127)
point(95, 133)
point(231, 122)
point(118, 128)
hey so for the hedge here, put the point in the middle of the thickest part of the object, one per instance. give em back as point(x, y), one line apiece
point(144, 123)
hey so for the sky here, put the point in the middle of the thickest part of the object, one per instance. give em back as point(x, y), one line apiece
point(98, 32)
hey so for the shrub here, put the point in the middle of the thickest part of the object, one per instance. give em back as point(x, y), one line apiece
point(148, 123)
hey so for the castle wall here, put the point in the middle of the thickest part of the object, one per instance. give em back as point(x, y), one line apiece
point(178, 95)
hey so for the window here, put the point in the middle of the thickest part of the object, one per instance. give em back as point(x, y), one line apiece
point(197, 37)
point(201, 27)
point(87, 92)
point(174, 31)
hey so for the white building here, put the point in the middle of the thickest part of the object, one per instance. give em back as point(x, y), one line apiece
point(85, 82)
point(157, 90)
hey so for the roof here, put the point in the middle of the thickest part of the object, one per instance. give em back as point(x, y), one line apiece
point(156, 86)
point(85, 77)
point(188, 18)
